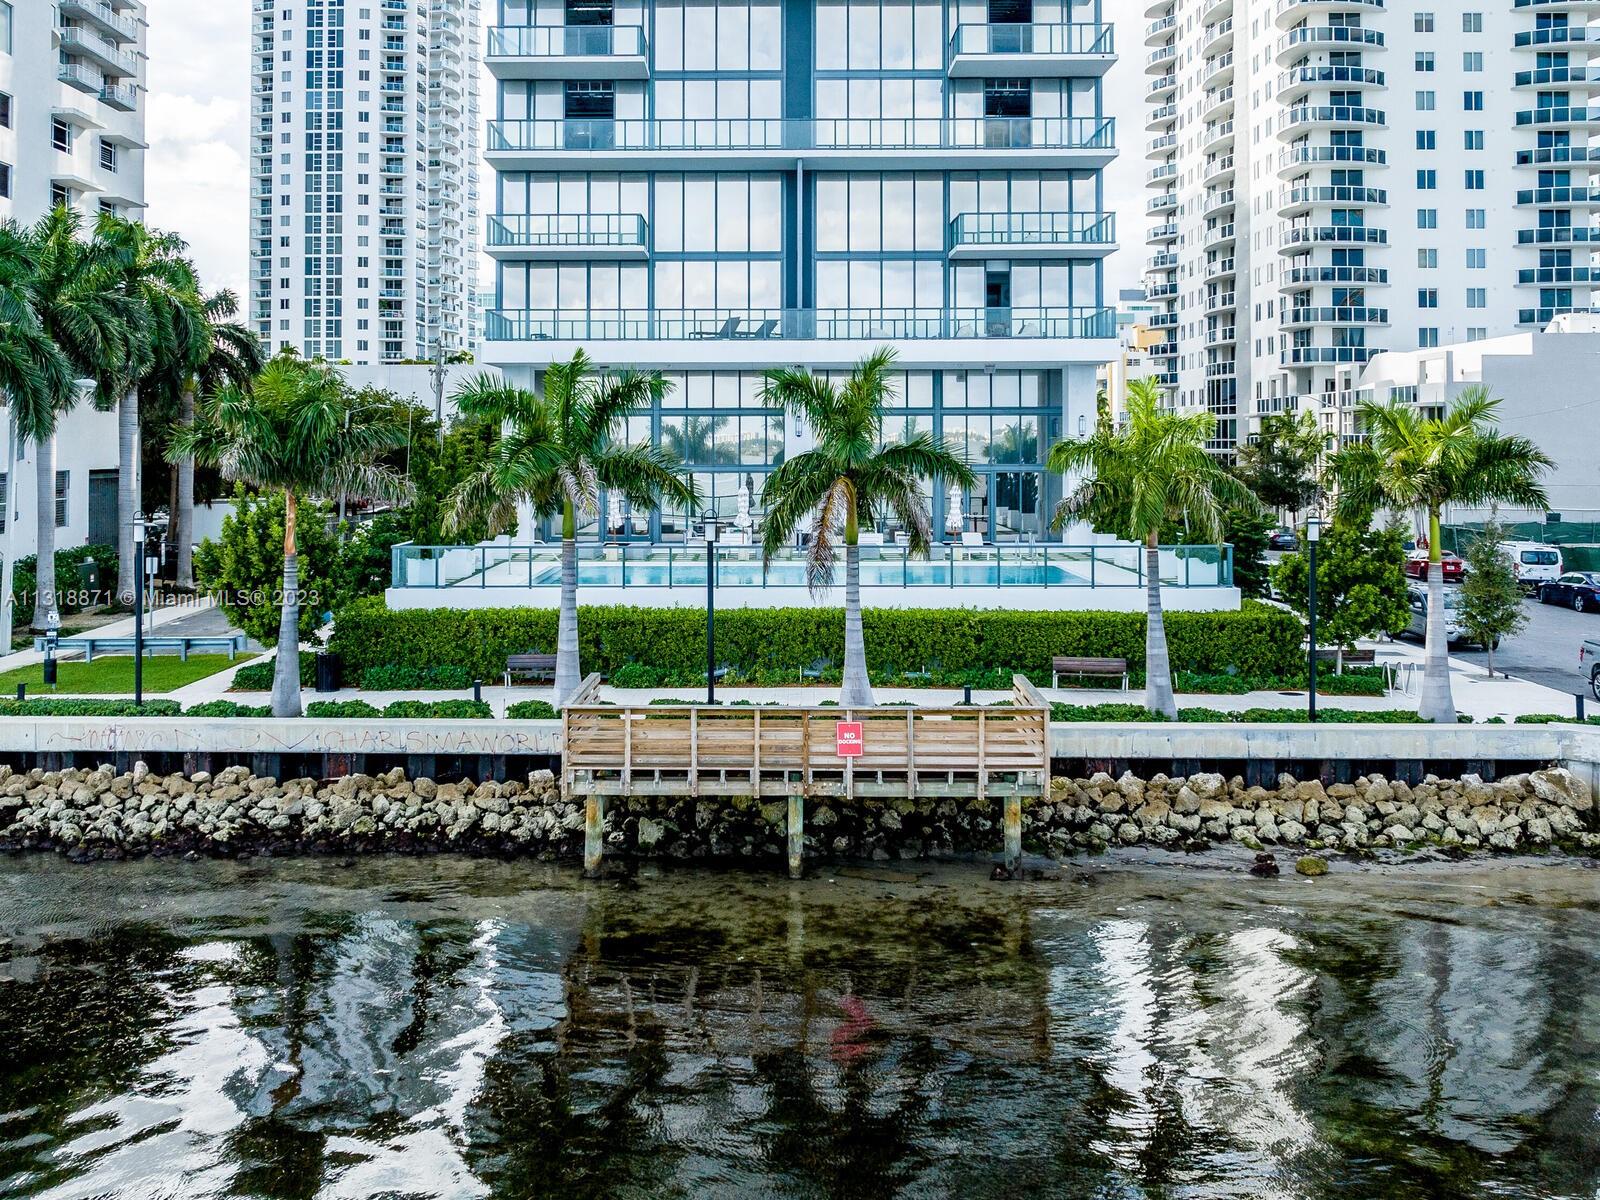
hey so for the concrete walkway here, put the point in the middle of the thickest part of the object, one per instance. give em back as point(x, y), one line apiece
point(123, 627)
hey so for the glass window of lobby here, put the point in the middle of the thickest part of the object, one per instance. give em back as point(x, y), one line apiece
point(714, 189)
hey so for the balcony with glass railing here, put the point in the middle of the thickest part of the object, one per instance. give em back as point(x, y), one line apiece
point(1311, 38)
point(567, 51)
point(1544, 197)
point(796, 324)
point(122, 96)
point(113, 24)
point(1325, 356)
point(1297, 81)
point(759, 139)
point(1560, 235)
point(80, 41)
point(1039, 234)
point(1031, 49)
point(1301, 239)
point(81, 77)
point(1543, 316)
point(567, 235)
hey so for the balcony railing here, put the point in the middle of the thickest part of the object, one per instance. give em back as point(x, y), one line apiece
point(777, 133)
point(586, 230)
point(1082, 37)
point(791, 324)
point(566, 41)
point(1033, 229)
point(1559, 235)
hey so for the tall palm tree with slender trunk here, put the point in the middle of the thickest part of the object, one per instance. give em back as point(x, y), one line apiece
point(1408, 462)
point(83, 308)
point(300, 431)
point(157, 275)
point(851, 478)
point(1132, 481)
point(554, 454)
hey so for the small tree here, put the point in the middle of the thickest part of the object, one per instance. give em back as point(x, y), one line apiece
point(1280, 464)
point(1491, 597)
point(1361, 581)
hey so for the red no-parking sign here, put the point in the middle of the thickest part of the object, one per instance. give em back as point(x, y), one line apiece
point(848, 739)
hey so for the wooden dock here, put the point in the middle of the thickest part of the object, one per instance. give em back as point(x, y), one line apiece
point(794, 752)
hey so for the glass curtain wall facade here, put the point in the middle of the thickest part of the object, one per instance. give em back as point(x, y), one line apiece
point(714, 189)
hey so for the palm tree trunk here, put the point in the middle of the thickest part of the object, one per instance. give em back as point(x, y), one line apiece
point(856, 691)
point(567, 676)
point(286, 669)
point(45, 541)
point(127, 491)
point(1438, 703)
point(183, 512)
point(1158, 697)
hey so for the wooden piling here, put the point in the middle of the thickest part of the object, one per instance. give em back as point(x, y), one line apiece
point(594, 822)
point(1013, 823)
point(797, 837)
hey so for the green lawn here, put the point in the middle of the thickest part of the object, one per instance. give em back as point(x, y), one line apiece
point(112, 675)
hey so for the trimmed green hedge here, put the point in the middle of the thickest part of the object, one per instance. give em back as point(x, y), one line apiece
point(1249, 716)
point(227, 708)
point(532, 710)
point(444, 710)
point(1259, 640)
point(415, 679)
point(88, 708)
point(257, 677)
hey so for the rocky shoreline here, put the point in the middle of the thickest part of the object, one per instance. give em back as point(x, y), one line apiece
point(100, 814)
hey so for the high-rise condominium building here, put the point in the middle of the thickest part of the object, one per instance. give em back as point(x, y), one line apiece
point(72, 107)
point(716, 189)
point(1331, 178)
point(363, 194)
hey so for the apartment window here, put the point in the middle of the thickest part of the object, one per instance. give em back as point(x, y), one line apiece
point(63, 489)
point(60, 134)
point(1472, 60)
point(1427, 297)
point(1422, 22)
point(5, 180)
point(1427, 179)
point(1428, 259)
point(1427, 139)
point(1424, 61)
point(1477, 258)
point(1427, 339)
point(1472, 139)
point(1477, 298)
point(5, 27)
point(1477, 218)
point(5, 110)
point(108, 157)
point(1427, 218)
point(1472, 101)
point(1476, 333)
point(1426, 102)
point(1472, 22)
point(1474, 181)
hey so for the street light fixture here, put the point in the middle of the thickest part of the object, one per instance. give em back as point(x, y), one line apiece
point(709, 532)
point(141, 530)
point(1313, 535)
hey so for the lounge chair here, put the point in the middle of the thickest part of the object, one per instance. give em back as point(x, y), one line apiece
point(972, 539)
point(764, 330)
point(728, 329)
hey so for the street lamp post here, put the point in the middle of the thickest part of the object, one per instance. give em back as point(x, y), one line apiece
point(710, 533)
point(141, 529)
point(1313, 535)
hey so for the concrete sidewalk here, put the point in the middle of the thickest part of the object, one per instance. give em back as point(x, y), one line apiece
point(123, 627)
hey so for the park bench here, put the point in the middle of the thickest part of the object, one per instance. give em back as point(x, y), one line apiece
point(1352, 658)
point(231, 644)
point(1103, 668)
point(530, 666)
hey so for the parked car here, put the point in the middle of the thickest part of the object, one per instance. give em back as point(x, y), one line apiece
point(1450, 566)
point(1536, 563)
point(1454, 633)
point(1283, 539)
point(1579, 590)
point(1589, 664)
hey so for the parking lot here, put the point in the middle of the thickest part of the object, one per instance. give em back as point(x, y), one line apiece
point(1546, 652)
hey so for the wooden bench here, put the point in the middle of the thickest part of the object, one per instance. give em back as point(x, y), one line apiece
point(1103, 668)
point(232, 644)
point(530, 666)
point(1352, 658)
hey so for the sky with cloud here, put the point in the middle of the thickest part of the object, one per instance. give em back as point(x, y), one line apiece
point(197, 170)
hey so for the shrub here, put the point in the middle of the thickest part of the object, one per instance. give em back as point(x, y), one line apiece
point(257, 676)
point(635, 675)
point(444, 710)
point(404, 679)
point(341, 708)
point(88, 708)
point(1259, 640)
point(532, 710)
point(1249, 716)
point(227, 708)
point(24, 583)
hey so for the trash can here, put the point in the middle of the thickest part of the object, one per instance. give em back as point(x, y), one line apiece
point(327, 672)
point(89, 575)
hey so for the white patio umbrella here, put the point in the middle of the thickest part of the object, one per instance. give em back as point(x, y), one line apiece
point(955, 517)
point(741, 518)
point(614, 512)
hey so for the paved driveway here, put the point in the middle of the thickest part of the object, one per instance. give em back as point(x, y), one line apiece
point(1547, 650)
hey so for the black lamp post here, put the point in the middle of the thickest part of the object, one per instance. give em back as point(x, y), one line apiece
point(141, 529)
point(710, 534)
point(1313, 534)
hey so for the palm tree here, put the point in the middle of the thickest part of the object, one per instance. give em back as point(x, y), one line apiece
point(82, 308)
point(554, 455)
point(157, 275)
point(300, 431)
point(1150, 472)
point(1411, 462)
point(851, 477)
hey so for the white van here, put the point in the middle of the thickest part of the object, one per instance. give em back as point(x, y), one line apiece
point(1535, 562)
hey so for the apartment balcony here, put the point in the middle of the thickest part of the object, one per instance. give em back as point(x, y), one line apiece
point(1216, 203)
point(1161, 147)
point(1160, 118)
point(81, 77)
point(1166, 320)
point(697, 143)
point(1162, 263)
point(1560, 235)
point(1217, 138)
point(1221, 370)
point(82, 42)
point(1218, 172)
point(1160, 177)
point(1221, 302)
point(567, 52)
point(1301, 200)
point(1222, 268)
point(1164, 203)
point(1216, 38)
point(1217, 105)
point(1296, 160)
point(1560, 156)
point(1298, 81)
point(817, 336)
point(1292, 278)
point(1290, 11)
point(1034, 234)
point(1161, 291)
point(1559, 197)
point(1218, 238)
point(1301, 117)
point(1304, 317)
point(1303, 239)
point(113, 24)
point(1540, 317)
point(1326, 356)
point(1162, 235)
point(1032, 50)
point(1557, 5)
point(1161, 87)
point(1162, 60)
point(1157, 8)
point(1312, 38)
point(1584, 276)
point(1558, 77)
point(1555, 35)
point(1163, 350)
point(567, 235)
point(1217, 71)
point(1566, 117)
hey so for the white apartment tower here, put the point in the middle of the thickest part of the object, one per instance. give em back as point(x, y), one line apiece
point(72, 78)
point(1332, 178)
point(363, 195)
